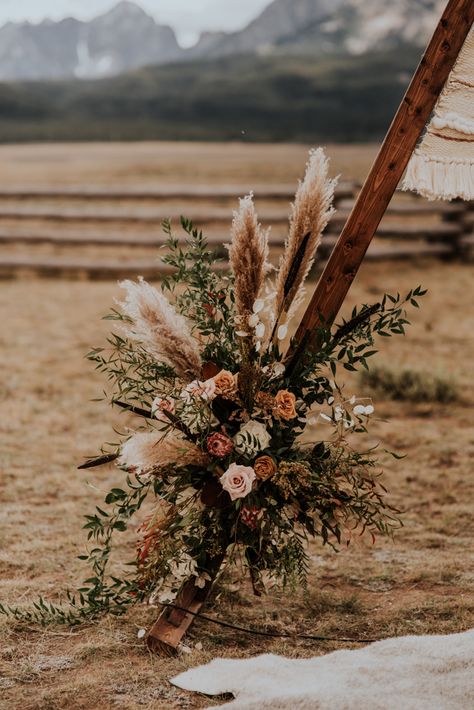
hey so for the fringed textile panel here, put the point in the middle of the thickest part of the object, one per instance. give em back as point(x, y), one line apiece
point(442, 166)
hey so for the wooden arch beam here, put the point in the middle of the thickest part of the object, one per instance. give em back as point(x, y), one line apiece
point(387, 170)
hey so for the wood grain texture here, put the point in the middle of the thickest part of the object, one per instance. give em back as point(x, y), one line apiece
point(388, 168)
point(168, 631)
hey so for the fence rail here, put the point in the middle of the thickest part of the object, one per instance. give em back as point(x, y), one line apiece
point(46, 231)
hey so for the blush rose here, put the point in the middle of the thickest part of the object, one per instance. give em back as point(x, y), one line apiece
point(204, 390)
point(238, 480)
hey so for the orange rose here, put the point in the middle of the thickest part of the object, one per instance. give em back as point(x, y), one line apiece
point(264, 468)
point(225, 383)
point(285, 404)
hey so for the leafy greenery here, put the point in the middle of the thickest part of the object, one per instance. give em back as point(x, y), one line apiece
point(411, 385)
point(329, 490)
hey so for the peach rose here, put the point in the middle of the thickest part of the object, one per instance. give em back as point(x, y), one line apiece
point(225, 383)
point(238, 480)
point(285, 404)
point(264, 467)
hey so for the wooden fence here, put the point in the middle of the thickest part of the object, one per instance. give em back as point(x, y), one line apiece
point(71, 231)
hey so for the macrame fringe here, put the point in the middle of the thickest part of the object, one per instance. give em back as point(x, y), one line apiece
point(455, 122)
point(439, 179)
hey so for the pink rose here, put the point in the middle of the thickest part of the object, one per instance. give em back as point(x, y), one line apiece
point(238, 480)
point(160, 406)
point(204, 390)
point(219, 444)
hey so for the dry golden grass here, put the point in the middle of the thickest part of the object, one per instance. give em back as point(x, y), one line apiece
point(119, 164)
point(420, 583)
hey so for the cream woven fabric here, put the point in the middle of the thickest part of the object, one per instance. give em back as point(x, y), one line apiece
point(442, 166)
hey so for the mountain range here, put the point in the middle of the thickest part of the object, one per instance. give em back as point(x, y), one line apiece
point(126, 37)
point(122, 39)
point(322, 27)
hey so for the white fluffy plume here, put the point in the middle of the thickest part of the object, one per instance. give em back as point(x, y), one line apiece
point(312, 210)
point(147, 452)
point(162, 331)
point(248, 253)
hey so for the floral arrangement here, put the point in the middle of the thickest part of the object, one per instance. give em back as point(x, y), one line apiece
point(223, 465)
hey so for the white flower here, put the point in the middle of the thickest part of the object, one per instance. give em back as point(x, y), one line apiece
point(252, 438)
point(282, 332)
point(165, 596)
point(260, 330)
point(238, 480)
point(183, 567)
point(360, 409)
point(201, 580)
point(204, 390)
point(259, 305)
point(277, 369)
point(253, 320)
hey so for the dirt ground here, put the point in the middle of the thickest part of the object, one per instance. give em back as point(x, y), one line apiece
point(422, 582)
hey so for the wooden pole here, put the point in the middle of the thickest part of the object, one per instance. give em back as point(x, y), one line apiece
point(386, 172)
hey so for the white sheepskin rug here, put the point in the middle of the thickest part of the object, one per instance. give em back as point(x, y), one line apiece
point(407, 673)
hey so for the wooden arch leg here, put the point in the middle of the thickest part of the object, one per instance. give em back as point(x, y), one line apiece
point(168, 631)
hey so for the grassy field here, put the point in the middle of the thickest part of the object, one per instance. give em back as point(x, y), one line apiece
point(422, 582)
point(148, 163)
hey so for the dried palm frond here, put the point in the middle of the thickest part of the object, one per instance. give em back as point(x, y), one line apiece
point(148, 452)
point(160, 329)
point(248, 253)
point(311, 211)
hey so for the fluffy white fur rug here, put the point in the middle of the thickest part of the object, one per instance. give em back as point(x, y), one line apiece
point(407, 673)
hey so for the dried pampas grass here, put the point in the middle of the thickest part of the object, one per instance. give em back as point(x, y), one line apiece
point(311, 211)
point(248, 254)
point(152, 451)
point(162, 331)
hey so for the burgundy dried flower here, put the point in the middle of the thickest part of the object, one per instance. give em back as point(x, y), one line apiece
point(249, 516)
point(219, 445)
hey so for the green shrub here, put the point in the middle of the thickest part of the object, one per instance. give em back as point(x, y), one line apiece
point(411, 385)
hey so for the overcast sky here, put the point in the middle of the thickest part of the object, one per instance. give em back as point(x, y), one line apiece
point(187, 17)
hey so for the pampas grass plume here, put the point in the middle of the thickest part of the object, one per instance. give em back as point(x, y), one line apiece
point(160, 330)
point(311, 212)
point(150, 451)
point(248, 254)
